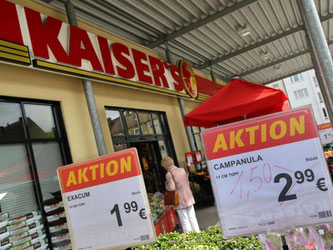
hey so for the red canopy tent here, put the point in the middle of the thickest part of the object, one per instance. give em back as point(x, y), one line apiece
point(237, 101)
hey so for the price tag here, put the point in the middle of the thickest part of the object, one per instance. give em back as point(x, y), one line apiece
point(198, 156)
point(189, 158)
point(269, 173)
point(326, 133)
point(106, 202)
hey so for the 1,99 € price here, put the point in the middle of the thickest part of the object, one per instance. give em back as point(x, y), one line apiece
point(129, 207)
point(106, 202)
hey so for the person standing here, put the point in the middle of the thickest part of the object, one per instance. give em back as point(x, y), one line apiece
point(177, 179)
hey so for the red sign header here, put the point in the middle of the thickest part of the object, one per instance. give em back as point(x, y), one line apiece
point(324, 126)
point(113, 167)
point(258, 133)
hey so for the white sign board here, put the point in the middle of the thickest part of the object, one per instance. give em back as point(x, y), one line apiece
point(269, 173)
point(106, 202)
point(325, 133)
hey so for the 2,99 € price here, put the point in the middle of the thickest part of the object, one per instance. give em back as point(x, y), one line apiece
point(269, 173)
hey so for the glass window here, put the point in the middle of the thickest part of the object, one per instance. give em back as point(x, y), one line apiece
point(324, 112)
point(20, 189)
point(115, 123)
point(131, 122)
point(146, 123)
point(196, 130)
point(315, 80)
point(300, 94)
point(40, 121)
point(157, 124)
point(11, 128)
point(16, 190)
point(296, 78)
point(119, 146)
point(163, 148)
point(48, 159)
point(197, 138)
point(320, 97)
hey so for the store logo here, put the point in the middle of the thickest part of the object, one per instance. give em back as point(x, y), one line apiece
point(188, 78)
point(57, 46)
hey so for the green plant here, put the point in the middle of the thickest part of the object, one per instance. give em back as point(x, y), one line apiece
point(210, 238)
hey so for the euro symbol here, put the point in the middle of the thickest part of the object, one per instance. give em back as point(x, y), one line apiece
point(142, 214)
point(321, 184)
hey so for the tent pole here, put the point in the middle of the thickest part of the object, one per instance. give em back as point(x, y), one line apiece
point(212, 74)
point(189, 134)
point(320, 47)
point(188, 131)
point(318, 70)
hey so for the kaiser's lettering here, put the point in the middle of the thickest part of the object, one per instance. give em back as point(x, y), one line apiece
point(57, 42)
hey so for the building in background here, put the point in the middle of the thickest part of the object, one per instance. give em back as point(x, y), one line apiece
point(303, 89)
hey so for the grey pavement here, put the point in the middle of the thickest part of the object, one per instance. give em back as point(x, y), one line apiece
point(206, 216)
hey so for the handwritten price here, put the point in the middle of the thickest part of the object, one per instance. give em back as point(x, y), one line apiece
point(265, 177)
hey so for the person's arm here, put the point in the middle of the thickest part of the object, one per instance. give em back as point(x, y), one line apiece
point(169, 183)
point(189, 170)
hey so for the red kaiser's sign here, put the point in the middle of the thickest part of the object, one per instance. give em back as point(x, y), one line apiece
point(57, 46)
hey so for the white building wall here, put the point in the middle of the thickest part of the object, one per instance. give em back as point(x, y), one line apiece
point(303, 89)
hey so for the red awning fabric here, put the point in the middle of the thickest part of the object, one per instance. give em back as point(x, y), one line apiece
point(237, 101)
point(206, 86)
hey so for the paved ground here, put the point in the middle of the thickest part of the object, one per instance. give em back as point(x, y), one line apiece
point(206, 216)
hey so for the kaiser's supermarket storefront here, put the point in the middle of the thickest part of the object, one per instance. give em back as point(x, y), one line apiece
point(44, 119)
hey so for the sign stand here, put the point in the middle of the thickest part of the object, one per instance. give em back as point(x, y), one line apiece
point(276, 161)
point(284, 243)
point(106, 202)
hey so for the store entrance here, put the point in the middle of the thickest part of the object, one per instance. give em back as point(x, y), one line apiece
point(150, 159)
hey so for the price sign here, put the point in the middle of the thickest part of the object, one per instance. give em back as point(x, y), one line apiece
point(106, 202)
point(269, 173)
point(325, 133)
point(198, 156)
point(189, 157)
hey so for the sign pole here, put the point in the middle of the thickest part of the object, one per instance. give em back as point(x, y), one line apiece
point(182, 110)
point(89, 93)
point(284, 243)
point(276, 161)
point(106, 202)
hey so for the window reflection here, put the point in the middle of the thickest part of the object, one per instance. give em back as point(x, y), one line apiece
point(40, 126)
point(119, 146)
point(16, 187)
point(48, 159)
point(132, 123)
point(146, 124)
point(196, 129)
point(157, 124)
point(197, 138)
point(115, 123)
point(163, 148)
point(11, 128)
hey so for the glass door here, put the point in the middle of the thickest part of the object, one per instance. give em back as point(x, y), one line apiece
point(150, 159)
